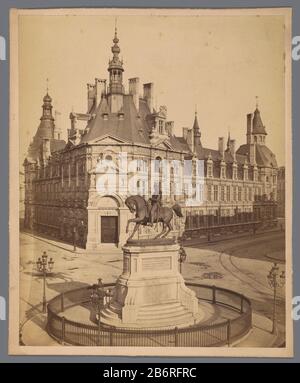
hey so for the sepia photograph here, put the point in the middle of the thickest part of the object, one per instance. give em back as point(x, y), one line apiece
point(150, 182)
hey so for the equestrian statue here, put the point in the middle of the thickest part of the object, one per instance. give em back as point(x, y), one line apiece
point(150, 212)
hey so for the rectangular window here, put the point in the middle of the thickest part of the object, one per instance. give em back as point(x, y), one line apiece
point(216, 194)
point(234, 193)
point(160, 126)
point(209, 192)
point(246, 193)
point(250, 194)
point(239, 193)
point(222, 193)
point(228, 193)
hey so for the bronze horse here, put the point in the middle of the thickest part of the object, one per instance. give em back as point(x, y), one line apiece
point(138, 205)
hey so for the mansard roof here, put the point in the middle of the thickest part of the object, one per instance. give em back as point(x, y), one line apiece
point(216, 156)
point(35, 147)
point(264, 156)
point(131, 127)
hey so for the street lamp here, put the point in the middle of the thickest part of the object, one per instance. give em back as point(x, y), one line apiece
point(182, 258)
point(74, 237)
point(45, 267)
point(276, 280)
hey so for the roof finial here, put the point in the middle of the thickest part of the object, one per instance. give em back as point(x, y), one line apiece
point(116, 40)
point(196, 110)
point(256, 97)
point(228, 140)
point(47, 85)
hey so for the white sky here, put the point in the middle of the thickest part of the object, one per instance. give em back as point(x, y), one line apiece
point(219, 63)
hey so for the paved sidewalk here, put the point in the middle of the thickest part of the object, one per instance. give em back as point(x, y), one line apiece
point(204, 265)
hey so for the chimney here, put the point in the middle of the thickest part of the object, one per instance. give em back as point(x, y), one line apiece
point(185, 133)
point(189, 137)
point(249, 128)
point(57, 126)
point(232, 147)
point(100, 91)
point(221, 144)
point(170, 127)
point(73, 118)
point(134, 91)
point(91, 90)
point(252, 154)
point(149, 95)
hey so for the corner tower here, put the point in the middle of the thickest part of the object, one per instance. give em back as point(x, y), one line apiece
point(115, 69)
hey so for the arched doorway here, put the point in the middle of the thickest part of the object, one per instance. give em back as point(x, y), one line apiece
point(104, 221)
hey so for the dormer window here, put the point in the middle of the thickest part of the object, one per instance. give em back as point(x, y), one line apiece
point(255, 175)
point(234, 173)
point(223, 172)
point(160, 126)
point(209, 170)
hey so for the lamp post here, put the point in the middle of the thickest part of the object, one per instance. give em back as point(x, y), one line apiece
point(276, 280)
point(45, 267)
point(182, 258)
point(74, 238)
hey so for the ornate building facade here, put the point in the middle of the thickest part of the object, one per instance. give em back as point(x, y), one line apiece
point(281, 192)
point(62, 194)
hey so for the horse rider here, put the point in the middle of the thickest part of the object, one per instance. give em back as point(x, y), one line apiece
point(155, 205)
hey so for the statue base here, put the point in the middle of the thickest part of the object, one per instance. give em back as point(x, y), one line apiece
point(151, 293)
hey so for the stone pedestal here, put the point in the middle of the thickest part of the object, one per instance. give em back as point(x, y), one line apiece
point(151, 292)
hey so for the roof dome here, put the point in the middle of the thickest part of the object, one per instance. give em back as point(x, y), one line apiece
point(47, 98)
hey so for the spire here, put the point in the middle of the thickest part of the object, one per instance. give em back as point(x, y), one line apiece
point(258, 126)
point(228, 140)
point(196, 135)
point(196, 128)
point(115, 67)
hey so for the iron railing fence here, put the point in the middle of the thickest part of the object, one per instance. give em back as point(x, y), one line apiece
point(215, 334)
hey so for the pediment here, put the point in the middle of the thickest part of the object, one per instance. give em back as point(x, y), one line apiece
point(163, 145)
point(108, 139)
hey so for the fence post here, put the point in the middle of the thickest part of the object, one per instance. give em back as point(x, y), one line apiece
point(111, 337)
point(99, 329)
point(176, 336)
point(62, 302)
point(228, 331)
point(214, 294)
point(63, 330)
